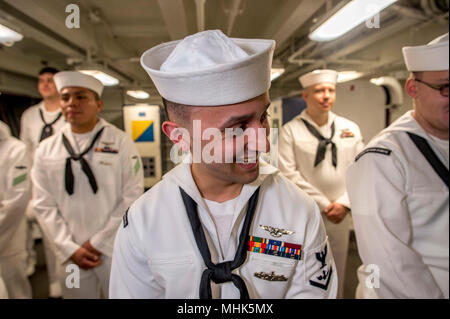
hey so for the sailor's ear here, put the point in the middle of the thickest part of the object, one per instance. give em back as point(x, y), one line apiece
point(305, 94)
point(411, 88)
point(169, 129)
point(178, 135)
point(99, 105)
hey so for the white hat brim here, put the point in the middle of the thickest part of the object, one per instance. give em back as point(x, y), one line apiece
point(224, 84)
point(318, 77)
point(427, 57)
point(65, 79)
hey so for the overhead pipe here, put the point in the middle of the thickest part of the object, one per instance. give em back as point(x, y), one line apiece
point(200, 6)
point(385, 32)
point(434, 7)
point(234, 12)
point(293, 58)
point(410, 12)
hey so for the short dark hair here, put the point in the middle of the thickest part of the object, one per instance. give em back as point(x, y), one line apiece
point(48, 69)
point(418, 75)
point(96, 96)
point(175, 111)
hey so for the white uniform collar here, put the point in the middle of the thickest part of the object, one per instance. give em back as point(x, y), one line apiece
point(67, 131)
point(305, 115)
point(41, 105)
point(408, 123)
point(182, 176)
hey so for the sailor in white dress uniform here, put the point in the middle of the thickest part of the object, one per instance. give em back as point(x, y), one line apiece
point(84, 179)
point(398, 188)
point(216, 229)
point(14, 195)
point(315, 150)
point(36, 124)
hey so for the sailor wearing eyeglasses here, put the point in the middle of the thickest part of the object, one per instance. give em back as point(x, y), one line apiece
point(398, 189)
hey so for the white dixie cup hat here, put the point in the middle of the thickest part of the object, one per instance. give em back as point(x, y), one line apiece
point(318, 77)
point(210, 69)
point(65, 79)
point(430, 57)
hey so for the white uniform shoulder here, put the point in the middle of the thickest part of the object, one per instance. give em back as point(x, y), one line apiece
point(31, 112)
point(288, 129)
point(295, 195)
point(155, 201)
point(115, 132)
point(45, 146)
point(344, 122)
point(151, 196)
point(340, 122)
point(292, 123)
point(392, 140)
point(143, 217)
point(298, 209)
point(383, 153)
point(12, 146)
point(110, 132)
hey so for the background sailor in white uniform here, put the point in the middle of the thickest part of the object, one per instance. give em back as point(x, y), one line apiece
point(45, 118)
point(37, 123)
point(399, 201)
point(315, 149)
point(84, 179)
point(14, 195)
point(190, 235)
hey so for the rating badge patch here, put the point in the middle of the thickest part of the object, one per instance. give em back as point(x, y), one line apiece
point(319, 267)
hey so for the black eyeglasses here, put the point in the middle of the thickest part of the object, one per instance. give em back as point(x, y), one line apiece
point(441, 88)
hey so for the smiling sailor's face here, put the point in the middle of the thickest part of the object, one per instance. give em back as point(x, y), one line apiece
point(238, 154)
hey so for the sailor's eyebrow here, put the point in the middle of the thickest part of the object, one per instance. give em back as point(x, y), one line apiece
point(237, 119)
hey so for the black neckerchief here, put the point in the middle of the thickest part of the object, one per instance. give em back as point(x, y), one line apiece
point(47, 130)
point(323, 142)
point(68, 176)
point(220, 273)
point(425, 148)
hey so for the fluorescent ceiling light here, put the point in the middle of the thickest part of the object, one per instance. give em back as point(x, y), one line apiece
point(8, 36)
point(275, 73)
point(106, 79)
point(138, 94)
point(347, 18)
point(346, 76)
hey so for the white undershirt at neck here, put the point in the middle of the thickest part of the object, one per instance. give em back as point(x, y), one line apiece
point(222, 215)
point(49, 116)
point(442, 146)
point(83, 140)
